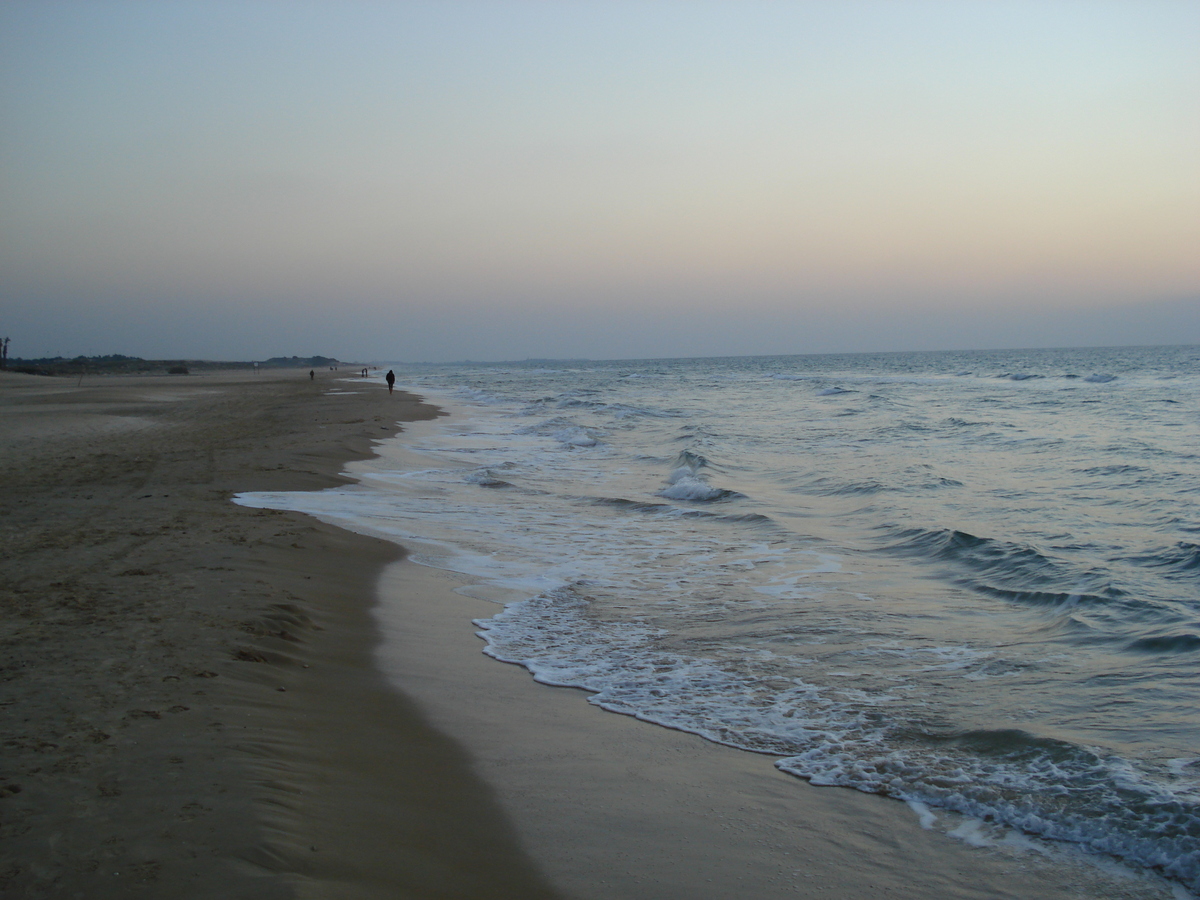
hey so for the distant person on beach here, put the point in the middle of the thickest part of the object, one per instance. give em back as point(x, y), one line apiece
point(311, 374)
point(391, 380)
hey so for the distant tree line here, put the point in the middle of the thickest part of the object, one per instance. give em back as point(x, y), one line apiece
point(116, 364)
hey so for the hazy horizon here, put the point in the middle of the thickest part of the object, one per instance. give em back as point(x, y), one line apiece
point(304, 353)
point(449, 180)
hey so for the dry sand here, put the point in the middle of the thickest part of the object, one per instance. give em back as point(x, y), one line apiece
point(187, 700)
point(191, 704)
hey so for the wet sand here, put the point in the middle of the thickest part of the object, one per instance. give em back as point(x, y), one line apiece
point(194, 702)
point(610, 807)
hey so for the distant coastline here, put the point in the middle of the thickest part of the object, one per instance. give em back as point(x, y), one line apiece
point(116, 364)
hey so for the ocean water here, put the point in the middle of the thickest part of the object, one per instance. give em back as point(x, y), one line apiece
point(970, 581)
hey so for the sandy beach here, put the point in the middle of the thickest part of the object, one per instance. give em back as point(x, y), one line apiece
point(206, 700)
point(180, 673)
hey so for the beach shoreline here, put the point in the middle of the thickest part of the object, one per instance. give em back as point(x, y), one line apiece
point(209, 700)
point(611, 807)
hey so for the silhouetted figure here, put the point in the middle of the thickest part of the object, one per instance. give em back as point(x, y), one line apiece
point(391, 380)
point(311, 374)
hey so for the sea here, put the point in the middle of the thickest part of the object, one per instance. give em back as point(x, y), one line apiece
point(969, 581)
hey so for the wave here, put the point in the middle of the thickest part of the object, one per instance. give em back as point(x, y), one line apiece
point(576, 436)
point(831, 487)
point(564, 430)
point(1039, 785)
point(666, 509)
point(486, 478)
point(981, 552)
point(942, 481)
point(1014, 571)
point(690, 459)
point(627, 411)
point(1036, 784)
point(1181, 559)
point(1095, 378)
point(691, 487)
point(687, 483)
point(616, 410)
point(588, 400)
point(1120, 469)
point(1058, 599)
point(547, 426)
point(1129, 617)
point(693, 432)
point(1167, 643)
point(631, 505)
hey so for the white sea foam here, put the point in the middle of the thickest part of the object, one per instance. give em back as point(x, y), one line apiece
point(576, 437)
point(924, 813)
point(691, 487)
point(972, 831)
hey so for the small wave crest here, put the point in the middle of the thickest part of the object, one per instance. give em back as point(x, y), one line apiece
point(962, 545)
point(666, 509)
point(1167, 643)
point(1181, 559)
point(1008, 571)
point(691, 460)
point(576, 436)
point(626, 411)
point(1118, 469)
point(1062, 600)
point(631, 505)
point(691, 487)
point(686, 481)
point(546, 426)
point(835, 487)
point(486, 478)
point(565, 430)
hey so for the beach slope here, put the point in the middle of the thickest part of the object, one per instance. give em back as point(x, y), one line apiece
point(188, 706)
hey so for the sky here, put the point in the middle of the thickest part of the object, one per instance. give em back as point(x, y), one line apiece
point(439, 181)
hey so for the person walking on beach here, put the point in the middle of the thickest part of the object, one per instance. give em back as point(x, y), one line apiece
point(311, 374)
point(391, 380)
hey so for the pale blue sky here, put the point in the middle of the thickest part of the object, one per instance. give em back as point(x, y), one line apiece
point(501, 180)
